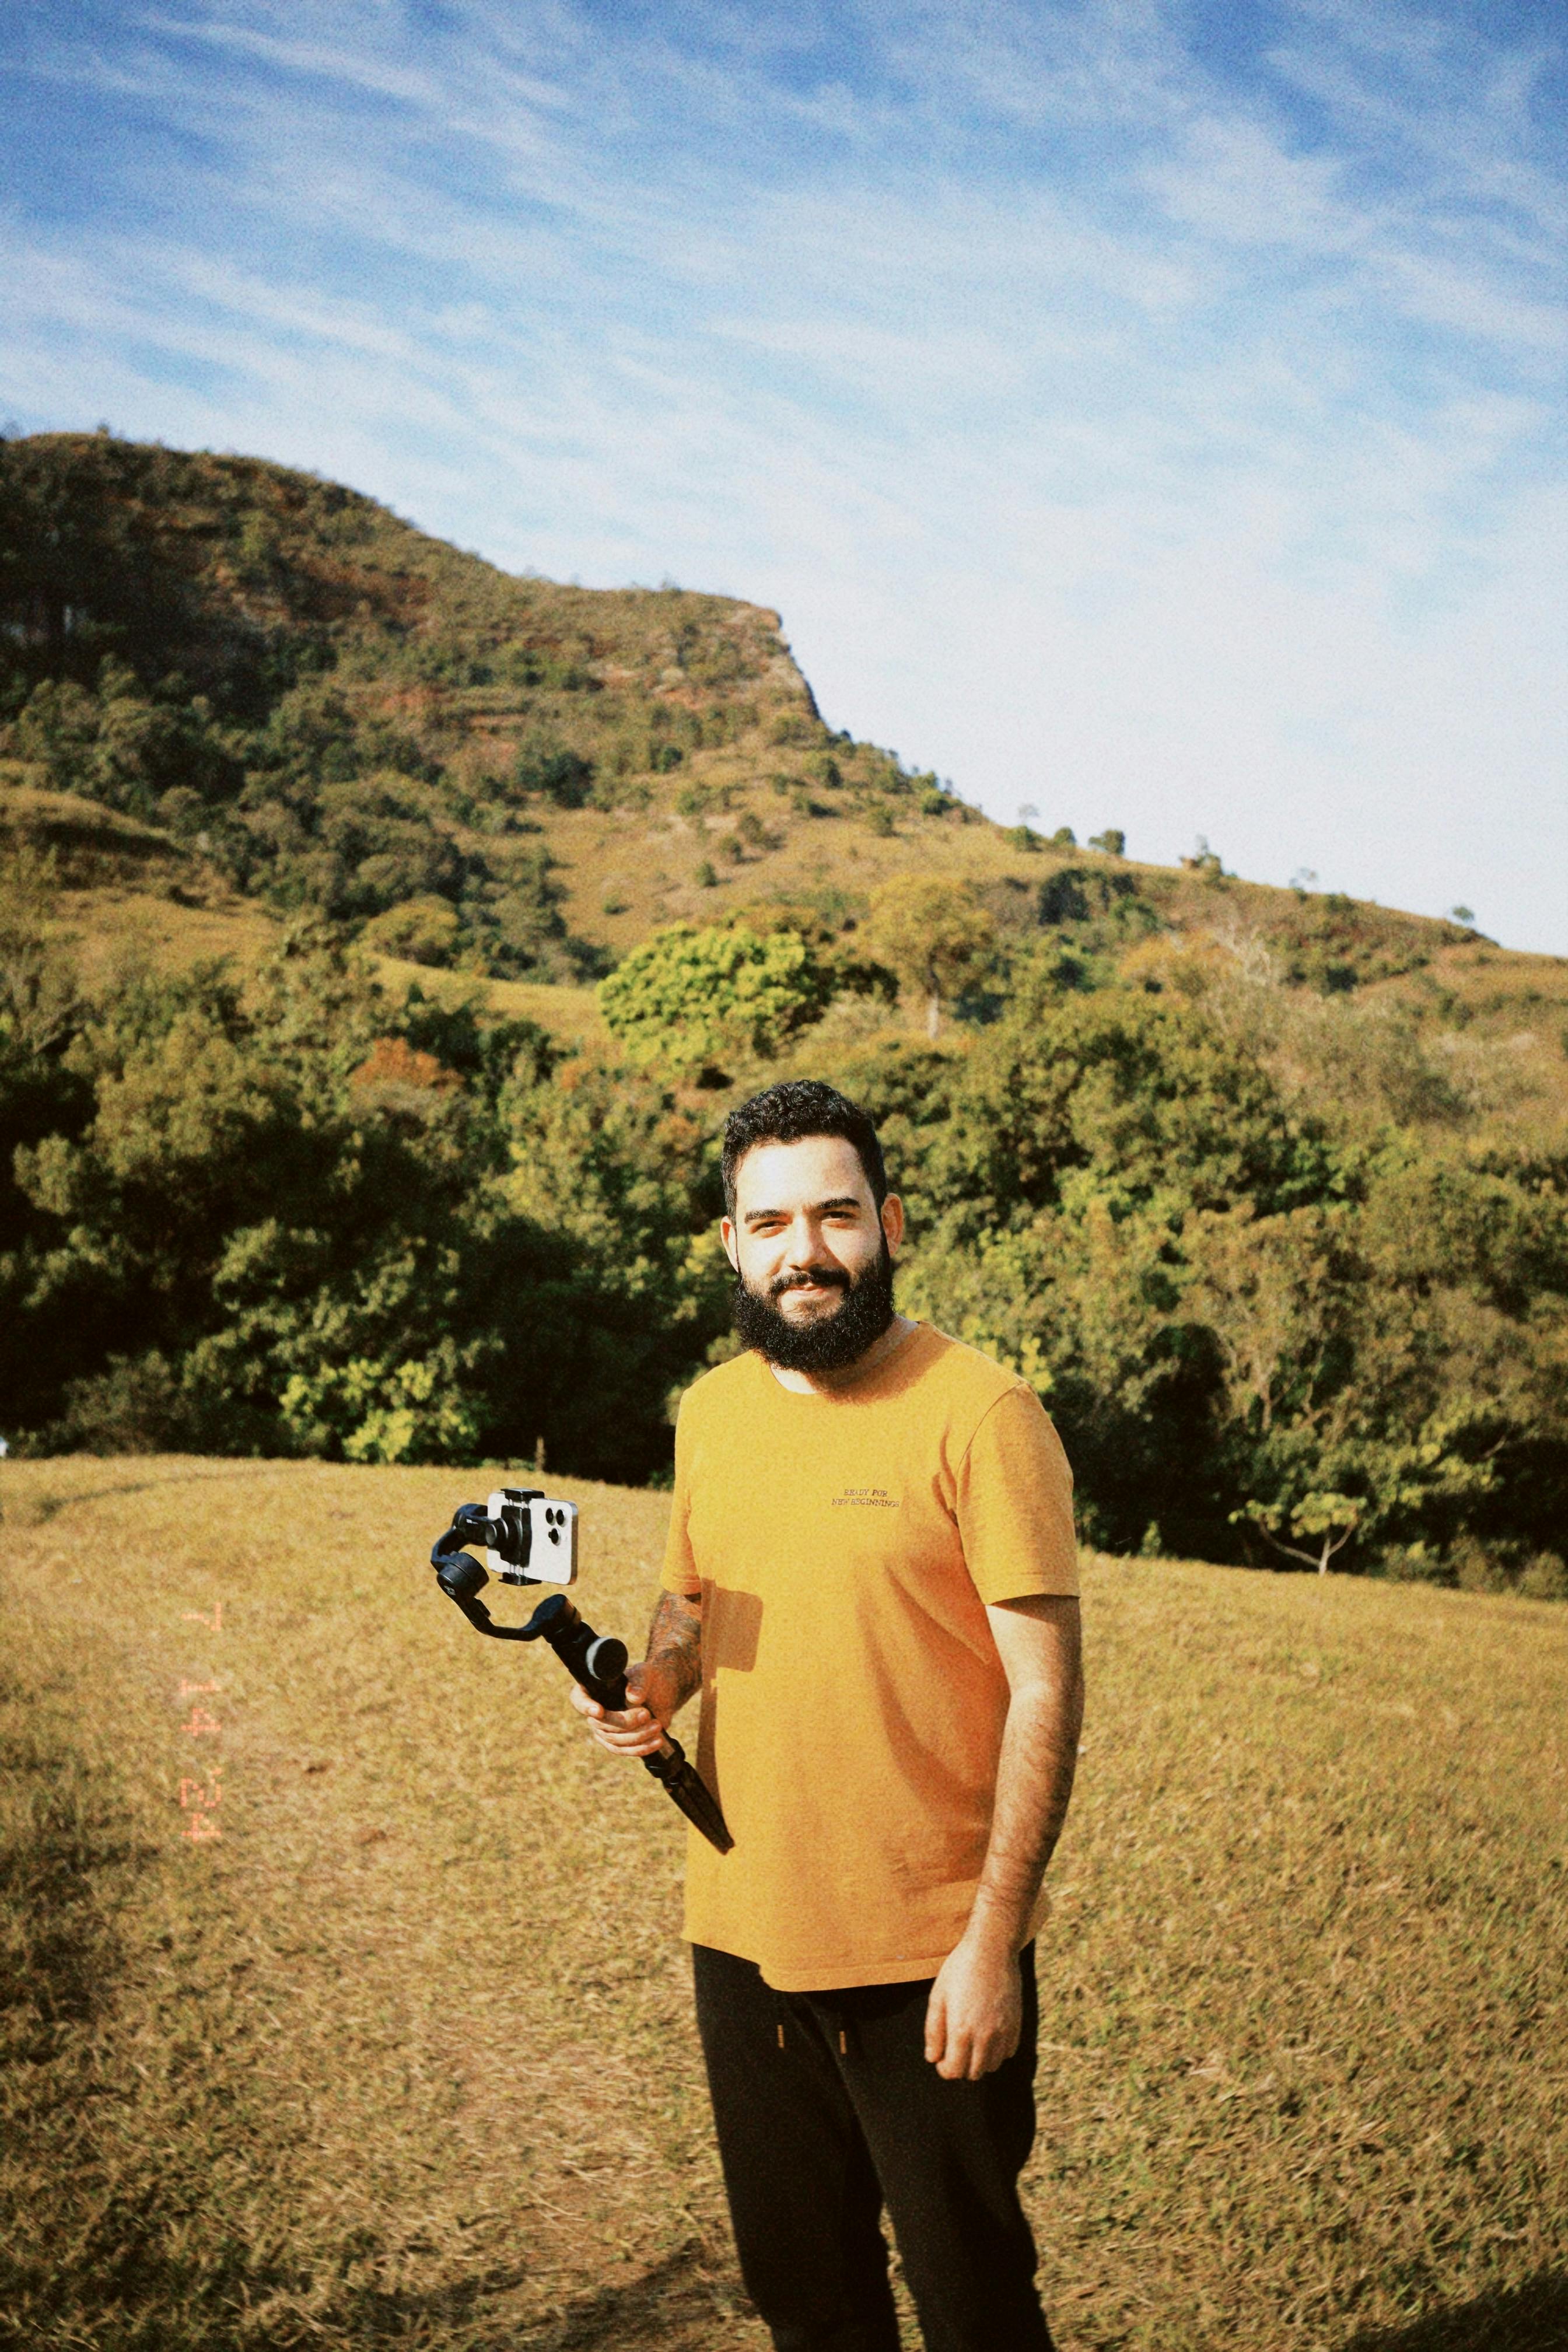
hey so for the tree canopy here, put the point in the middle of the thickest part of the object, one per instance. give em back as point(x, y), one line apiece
point(288, 1214)
point(933, 933)
point(690, 996)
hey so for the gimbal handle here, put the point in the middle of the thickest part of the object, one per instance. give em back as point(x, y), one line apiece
point(596, 1661)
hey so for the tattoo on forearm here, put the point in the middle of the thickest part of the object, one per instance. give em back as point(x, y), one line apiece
point(1034, 1785)
point(674, 1643)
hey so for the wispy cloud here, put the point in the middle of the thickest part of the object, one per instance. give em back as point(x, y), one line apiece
point(1167, 435)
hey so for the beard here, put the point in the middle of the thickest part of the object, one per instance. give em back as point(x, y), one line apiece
point(827, 1343)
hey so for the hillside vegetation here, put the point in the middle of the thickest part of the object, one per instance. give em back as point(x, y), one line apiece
point(403, 2051)
point(278, 689)
point(383, 941)
point(294, 694)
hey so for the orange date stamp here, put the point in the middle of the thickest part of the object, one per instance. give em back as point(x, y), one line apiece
point(202, 1795)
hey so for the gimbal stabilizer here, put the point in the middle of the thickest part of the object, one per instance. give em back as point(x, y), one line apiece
point(596, 1661)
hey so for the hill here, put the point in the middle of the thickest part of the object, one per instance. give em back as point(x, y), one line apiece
point(306, 697)
point(233, 691)
point(405, 2051)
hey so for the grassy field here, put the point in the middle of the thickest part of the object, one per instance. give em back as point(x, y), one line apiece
point(403, 2054)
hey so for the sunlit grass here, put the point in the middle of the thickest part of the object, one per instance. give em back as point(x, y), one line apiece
point(570, 1014)
point(405, 2054)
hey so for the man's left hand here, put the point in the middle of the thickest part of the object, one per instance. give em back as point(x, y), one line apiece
point(975, 2013)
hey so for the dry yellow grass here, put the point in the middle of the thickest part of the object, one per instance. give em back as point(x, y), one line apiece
point(1509, 1047)
point(622, 875)
point(112, 928)
point(569, 1014)
point(406, 2055)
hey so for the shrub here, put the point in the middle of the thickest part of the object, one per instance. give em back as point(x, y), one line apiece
point(1474, 1568)
point(137, 1405)
point(1545, 1577)
point(562, 776)
point(1413, 1563)
point(688, 996)
point(424, 931)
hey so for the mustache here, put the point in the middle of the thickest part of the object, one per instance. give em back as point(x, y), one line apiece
point(815, 1279)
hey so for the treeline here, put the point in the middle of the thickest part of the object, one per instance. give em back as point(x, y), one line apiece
point(287, 1216)
point(1280, 1301)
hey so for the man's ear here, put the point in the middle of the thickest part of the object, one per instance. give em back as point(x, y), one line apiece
point(727, 1235)
point(893, 1222)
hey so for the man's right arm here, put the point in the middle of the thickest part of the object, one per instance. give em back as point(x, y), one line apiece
point(658, 1688)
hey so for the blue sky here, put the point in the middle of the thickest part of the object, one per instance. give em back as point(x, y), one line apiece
point(1151, 414)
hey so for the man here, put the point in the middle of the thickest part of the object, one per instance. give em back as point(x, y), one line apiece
point(871, 1577)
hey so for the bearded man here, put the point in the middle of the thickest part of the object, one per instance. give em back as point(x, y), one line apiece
point(871, 1577)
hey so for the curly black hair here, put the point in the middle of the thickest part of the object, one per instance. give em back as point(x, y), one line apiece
point(787, 1114)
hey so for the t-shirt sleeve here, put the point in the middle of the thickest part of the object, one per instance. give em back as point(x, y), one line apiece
point(680, 1572)
point(1014, 1503)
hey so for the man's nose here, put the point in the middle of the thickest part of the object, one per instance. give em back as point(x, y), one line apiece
point(804, 1243)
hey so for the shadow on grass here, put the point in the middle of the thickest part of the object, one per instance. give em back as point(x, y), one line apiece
point(42, 1509)
point(88, 2213)
point(1529, 2318)
point(109, 2265)
point(682, 2304)
point(64, 1856)
point(677, 2305)
point(60, 1837)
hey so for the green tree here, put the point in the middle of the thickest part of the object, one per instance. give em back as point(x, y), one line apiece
point(934, 934)
point(43, 1092)
point(1116, 1096)
point(424, 930)
point(1328, 1520)
point(689, 996)
point(562, 775)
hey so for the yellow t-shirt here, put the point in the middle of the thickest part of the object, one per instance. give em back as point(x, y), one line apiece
point(845, 1546)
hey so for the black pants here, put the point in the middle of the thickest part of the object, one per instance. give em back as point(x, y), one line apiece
point(848, 2114)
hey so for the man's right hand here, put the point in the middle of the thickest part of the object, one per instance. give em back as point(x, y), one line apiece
point(637, 1728)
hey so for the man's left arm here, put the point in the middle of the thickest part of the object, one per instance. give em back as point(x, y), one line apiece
point(975, 2011)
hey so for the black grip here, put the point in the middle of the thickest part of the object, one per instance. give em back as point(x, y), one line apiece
point(607, 1662)
point(596, 1661)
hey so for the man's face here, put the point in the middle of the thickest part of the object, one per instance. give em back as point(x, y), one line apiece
point(812, 1256)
